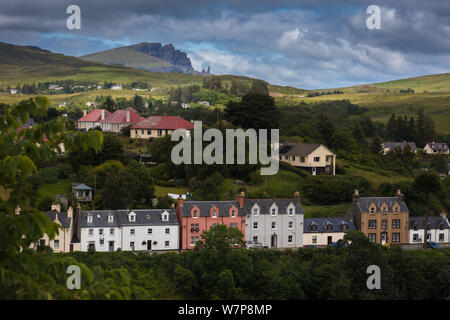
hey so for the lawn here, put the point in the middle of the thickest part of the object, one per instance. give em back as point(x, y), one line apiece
point(53, 189)
point(163, 191)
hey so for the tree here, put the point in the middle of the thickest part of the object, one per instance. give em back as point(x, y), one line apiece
point(255, 111)
point(326, 127)
point(139, 103)
point(220, 238)
point(259, 87)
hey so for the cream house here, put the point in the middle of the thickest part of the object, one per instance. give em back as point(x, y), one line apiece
point(325, 231)
point(158, 126)
point(315, 158)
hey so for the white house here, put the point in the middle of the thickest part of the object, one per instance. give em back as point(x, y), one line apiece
point(325, 231)
point(116, 87)
point(144, 229)
point(277, 223)
point(100, 229)
point(438, 229)
point(436, 148)
point(13, 91)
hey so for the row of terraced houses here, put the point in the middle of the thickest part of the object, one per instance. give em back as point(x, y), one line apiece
point(275, 223)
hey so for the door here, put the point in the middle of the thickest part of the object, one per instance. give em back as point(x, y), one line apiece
point(71, 247)
point(313, 171)
point(149, 245)
point(273, 242)
point(111, 246)
point(329, 240)
point(383, 238)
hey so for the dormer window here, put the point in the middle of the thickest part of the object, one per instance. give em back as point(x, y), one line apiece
point(396, 210)
point(110, 218)
point(291, 209)
point(313, 227)
point(195, 213)
point(329, 227)
point(273, 210)
point(255, 210)
point(344, 226)
point(384, 210)
point(415, 226)
point(233, 213)
point(132, 217)
point(89, 218)
point(165, 216)
point(372, 210)
point(441, 226)
point(214, 213)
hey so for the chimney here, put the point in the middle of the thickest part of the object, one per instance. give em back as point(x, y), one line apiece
point(56, 207)
point(240, 198)
point(103, 114)
point(70, 212)
point(180, 202)
point(297, 197)
point(84, 113)
point(399, 194)
point(356, 196)
point(128, 115)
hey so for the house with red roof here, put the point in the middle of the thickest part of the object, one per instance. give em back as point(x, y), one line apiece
point(108, 122)
point(92, 119)
point(158, 126)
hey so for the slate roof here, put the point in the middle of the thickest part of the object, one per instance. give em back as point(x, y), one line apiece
point(393, 145)
point(365, 202)
point(100, 218)
point(299, 149)
point(82, 186)
point(62, 217)
point(322, 222)
point(161, 122)
point(265, 204)
point(95, 116)
point(434, 222)
point(147, 217)
point(205, 206)
point(120, 116)
point(438, 146)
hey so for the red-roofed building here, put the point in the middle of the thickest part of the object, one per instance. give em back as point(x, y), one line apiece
point(119, 119)
point(92, 119)
point(159, 126)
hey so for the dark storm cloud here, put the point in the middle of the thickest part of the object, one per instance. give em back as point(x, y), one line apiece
point(309, 43)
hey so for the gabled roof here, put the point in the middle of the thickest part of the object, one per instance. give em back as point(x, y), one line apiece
point(82, 186)
point(393, 145)
point(434, 222)
point(164, 123)
point(266, 204)
point(365, 202)
point(438, 146)
point(321, 223)
point(94, 116)
point(147, 217)
point(62, 217)
point(120, 116)
point(299, 149)
point(205, 207)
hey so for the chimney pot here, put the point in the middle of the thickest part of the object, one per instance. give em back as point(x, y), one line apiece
point(70, 212)
point(103, 114)
point(240, 199)
point(356, 195)
point(84, 113)
point(297, 197)
point(128, 115)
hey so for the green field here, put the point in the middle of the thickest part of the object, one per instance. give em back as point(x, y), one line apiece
point(163, 191)
point(52, 189)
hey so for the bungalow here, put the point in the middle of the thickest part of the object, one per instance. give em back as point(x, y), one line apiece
point(438, 229)
point(120, 119)
point(158, 126)
point(436, 148)
point(315, 158)
point(92, 119)
point(324, 231)
point(389, 146)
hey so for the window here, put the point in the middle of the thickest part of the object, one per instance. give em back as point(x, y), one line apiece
point(102, 241)
point(166, 243)
point(235, 225)
point(313, 227)
point(56, 244)
point(273, 211)
point(194, 240)
point(100, 232)
point(195, 213)
point(255, 225)
point(274, 225)
point(233, 213)
point(165, 217)
point(441, 226)
point(291, 211)
point(384, 210)
point(132, 232)
point(415, 237)
point(159, 132)
point(415, 226)
point(255, 211)
point(384, 223)
point(396, 210)
point(373, 237)
point(42, 242)
point(89, 218)
point(289, 238)
point(290, 224)
point(149, 132)
point(396, 224)
point(316, 159)
point(329, 227)
point(396, 237)
point(231, 225)
point(302, 159)
point(441, 237)
point(111, 231)
point(214, 224)
point(149, 231)
point(372, 210)
point(344, 226)
point(142, 131)
point(167, 230)
point(110, 218)
point(132, 217)
point(255, 238)
point(214, 213)
point(372, 224)
point(314, 239)
point(132, 244)
point(91, 232)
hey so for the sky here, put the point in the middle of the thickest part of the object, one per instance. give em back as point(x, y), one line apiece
point(306, 43)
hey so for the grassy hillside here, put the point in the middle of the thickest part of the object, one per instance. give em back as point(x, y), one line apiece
point(429, 83)
point(126, 57)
